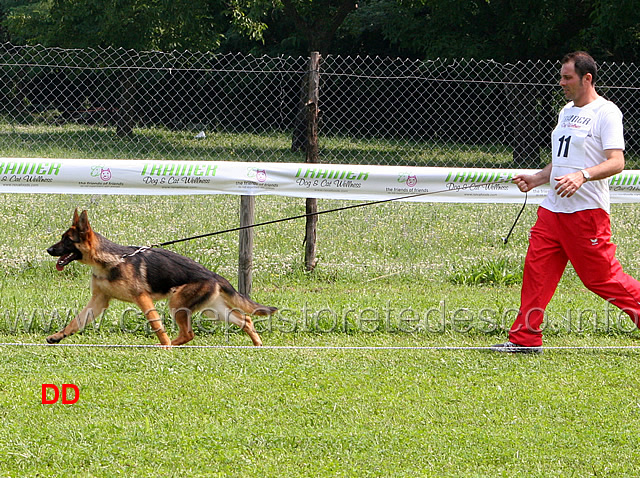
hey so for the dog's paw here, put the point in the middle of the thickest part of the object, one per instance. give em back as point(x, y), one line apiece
point(55, 338)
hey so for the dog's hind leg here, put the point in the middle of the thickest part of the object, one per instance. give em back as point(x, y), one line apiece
point(145, 303)
point(96, 306)
point(243, 321)
point(236, 317)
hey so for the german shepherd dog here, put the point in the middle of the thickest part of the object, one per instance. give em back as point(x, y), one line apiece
point(142, 276)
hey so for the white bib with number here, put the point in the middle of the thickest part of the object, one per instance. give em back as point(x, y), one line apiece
point(578, 142)
point(568, 141)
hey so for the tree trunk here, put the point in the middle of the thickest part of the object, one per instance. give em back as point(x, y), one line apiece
point(125, 116)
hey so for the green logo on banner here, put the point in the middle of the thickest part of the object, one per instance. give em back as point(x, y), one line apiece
point(37, 167)
point(167, 168)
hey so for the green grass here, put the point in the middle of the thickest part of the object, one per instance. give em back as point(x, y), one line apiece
point(384, 279)
point(319, 413)
point(47, 139)
point(500, 271)
point(42, 137)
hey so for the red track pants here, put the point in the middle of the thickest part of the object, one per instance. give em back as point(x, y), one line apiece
point(584, 238)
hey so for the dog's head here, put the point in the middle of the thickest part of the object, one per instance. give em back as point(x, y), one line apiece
point(75, 241)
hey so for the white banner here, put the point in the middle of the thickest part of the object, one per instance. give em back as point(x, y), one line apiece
point(329, 181)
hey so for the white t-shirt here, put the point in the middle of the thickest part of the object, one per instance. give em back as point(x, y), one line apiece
point(578, 142)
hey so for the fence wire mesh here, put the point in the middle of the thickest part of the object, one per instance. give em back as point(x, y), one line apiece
point(115, 103)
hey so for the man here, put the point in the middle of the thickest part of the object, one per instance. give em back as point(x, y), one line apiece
point(573, 220)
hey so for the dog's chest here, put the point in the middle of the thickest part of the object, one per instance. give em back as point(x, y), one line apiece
point(118, 281)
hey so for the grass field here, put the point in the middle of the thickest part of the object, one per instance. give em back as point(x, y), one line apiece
point(47, 139)
point(393, 275)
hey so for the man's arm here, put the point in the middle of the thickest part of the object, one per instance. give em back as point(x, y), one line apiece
point(526, 182)
point(568, 184)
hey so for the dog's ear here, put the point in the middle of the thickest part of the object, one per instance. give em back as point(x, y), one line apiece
point(74, 230)
point(82, 224)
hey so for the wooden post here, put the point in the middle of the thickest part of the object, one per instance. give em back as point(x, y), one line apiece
point(312, 157)
point(245, 244)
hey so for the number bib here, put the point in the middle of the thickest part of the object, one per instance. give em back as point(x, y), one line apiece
point(568, 139)
point(576, 144)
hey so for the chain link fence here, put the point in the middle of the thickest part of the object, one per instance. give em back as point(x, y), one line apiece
point(115, 103)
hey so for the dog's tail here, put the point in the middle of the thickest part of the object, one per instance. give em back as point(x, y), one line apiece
point(263, 310)
point(236, 300)
point(250, 307)
point(246, 305)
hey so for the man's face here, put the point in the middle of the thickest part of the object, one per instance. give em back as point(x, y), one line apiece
point(573, 86)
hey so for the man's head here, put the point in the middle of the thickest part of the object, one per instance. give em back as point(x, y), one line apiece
point(583, 64)
point(577, 77)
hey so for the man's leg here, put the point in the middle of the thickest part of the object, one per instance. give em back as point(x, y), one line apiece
point(543, 268)
point(593, 257)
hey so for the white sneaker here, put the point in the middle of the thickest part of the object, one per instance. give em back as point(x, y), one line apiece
point(510, 347)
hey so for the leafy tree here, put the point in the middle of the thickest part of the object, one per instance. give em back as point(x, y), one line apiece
point(293, 27)
point(318, 20)
point(615, 31)
point(368, 30)
point(130, 24)
point(4, 35)
point(25, 21)
point(537, 29)
point(503, 30)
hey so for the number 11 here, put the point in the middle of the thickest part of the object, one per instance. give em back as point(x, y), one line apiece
point(564, 140)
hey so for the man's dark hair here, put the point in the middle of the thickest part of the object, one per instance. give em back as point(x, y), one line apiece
point(583, 63)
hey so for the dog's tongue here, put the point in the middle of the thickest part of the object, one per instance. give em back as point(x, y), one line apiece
point(63, 261)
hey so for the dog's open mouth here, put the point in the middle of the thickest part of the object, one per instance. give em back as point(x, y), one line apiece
point(64, 260)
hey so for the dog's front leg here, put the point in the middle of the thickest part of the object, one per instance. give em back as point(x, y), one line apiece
point(96, 306)
point(145, 302)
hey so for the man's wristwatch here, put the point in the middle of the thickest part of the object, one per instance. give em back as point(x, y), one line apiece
point(586, 175)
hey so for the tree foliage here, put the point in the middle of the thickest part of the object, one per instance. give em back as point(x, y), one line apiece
point(134, 24)
point(615, 30)
point(318, 19)
point(503, 30)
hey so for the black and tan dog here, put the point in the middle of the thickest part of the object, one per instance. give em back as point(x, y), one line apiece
point(141, 276)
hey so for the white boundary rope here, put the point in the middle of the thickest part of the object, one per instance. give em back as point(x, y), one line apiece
point(317, 347)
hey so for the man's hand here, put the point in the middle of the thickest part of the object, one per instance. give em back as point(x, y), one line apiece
point(567, 185)
point(526, 182)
